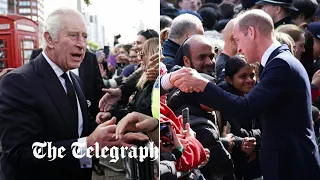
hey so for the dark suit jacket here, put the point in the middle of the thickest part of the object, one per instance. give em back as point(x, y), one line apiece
point(283, 98)
point(90, 75)
point(34, 108)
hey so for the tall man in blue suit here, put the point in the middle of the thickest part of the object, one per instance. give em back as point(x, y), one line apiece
point(282, 99)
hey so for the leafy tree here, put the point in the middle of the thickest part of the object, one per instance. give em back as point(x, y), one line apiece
point(93, 46)
point(87, 2)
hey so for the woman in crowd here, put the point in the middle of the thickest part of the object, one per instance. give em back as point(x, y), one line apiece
point(297, 35)
point(239, 77)
point(284, 38)
point(141, 101)
point(134, 62)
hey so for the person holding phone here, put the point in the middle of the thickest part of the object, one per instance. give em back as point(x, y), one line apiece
point(193, 153)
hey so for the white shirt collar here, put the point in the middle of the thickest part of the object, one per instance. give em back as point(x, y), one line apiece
point(55, 68)
point(268, 52)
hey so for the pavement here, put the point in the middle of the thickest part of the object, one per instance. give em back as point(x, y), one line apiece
point(109, 174)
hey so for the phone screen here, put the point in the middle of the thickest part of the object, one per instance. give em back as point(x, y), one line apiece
point(185, 116)
point(166, 134)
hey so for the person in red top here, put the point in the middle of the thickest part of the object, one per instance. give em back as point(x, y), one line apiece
point(194, 154)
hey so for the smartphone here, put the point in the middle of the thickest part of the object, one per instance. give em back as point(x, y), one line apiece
point(185, 116)
point(166, 134)
point(106, 50)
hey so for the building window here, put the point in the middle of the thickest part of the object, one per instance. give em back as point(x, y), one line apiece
point(24, 3)
point(35, 11)
point(24, 10)
point(34, 4)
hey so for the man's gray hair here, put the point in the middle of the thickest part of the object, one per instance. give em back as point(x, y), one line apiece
point(216, 39)
point(183, 24)
point(54, 23)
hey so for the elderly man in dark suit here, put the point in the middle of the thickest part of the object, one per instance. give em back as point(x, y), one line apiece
point(43, 101)
point(282, 99)
point(90, 75)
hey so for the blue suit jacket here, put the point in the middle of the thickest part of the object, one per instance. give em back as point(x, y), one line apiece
point(282, 99)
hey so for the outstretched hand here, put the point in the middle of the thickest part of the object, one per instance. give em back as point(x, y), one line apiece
point(111, 97)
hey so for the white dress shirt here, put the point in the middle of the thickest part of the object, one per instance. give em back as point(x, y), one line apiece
point(84, 162)
point(268, 52)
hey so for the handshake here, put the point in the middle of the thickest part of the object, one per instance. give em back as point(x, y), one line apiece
point(109, 134)
point(188, 80)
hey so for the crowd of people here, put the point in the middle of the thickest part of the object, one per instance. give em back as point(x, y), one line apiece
point(247, 70)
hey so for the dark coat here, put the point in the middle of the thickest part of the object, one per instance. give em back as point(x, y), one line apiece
point(282, 99)
point(34, 108)
point(169, 52)
point(90, 75)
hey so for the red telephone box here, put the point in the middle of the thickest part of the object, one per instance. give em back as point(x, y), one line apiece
point(18, 37)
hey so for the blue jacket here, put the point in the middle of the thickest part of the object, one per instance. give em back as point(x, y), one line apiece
point(282, 100)
point(169, 52)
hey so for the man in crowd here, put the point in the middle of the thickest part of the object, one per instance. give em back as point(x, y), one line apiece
point(197, 52)
point(182, 27)
point(188, 5)
point(282, 99)
point(229, 50)
point(279, 11)
point(43, 101)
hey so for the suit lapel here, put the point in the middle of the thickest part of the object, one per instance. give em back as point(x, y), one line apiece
point(58, 95)
point(83, 103)
point(275, 53)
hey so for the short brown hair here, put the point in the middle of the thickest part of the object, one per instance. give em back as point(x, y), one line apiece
point(255, 18)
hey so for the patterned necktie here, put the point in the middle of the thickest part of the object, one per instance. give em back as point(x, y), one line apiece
point(71, 93)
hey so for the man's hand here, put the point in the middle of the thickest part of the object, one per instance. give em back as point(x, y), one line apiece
point(188, 80)
point(103, 72)
point(111, 97)
point(248, 145)
point(153, 71)
point(136, 122)
point(103, 117)
point(5, 71)
point(104, 135)
point(154, 61)
point(152, 74)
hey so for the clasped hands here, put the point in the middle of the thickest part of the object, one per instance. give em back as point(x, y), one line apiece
point(109, 134)
point(188, 80)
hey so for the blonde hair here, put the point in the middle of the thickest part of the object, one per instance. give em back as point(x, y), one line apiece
point(150, 47)
point(284, 38)
point(292, 30)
